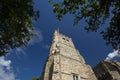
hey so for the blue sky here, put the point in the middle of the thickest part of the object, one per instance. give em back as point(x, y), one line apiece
point(28, 62)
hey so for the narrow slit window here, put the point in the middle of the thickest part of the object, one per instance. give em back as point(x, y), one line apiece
point(75, 77)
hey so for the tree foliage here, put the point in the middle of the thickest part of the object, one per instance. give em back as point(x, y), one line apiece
point(15, 23)
point(95, 13)
point(35, 79)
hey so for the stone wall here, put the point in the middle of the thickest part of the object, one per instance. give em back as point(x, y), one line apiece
point(65, 62)
point(107, 70)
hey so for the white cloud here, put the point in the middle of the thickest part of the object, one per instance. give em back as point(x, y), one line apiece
point(5, 63)
point(36, 39)
point(115, 53)
point(6, 72)
point(18, 51)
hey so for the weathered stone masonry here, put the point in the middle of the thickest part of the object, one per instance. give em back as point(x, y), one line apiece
point(65, 62)
point(107, 70)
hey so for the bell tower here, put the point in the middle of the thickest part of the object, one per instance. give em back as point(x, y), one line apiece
point(65, 62)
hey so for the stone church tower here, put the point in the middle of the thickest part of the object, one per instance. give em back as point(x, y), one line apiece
point(65, 62)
